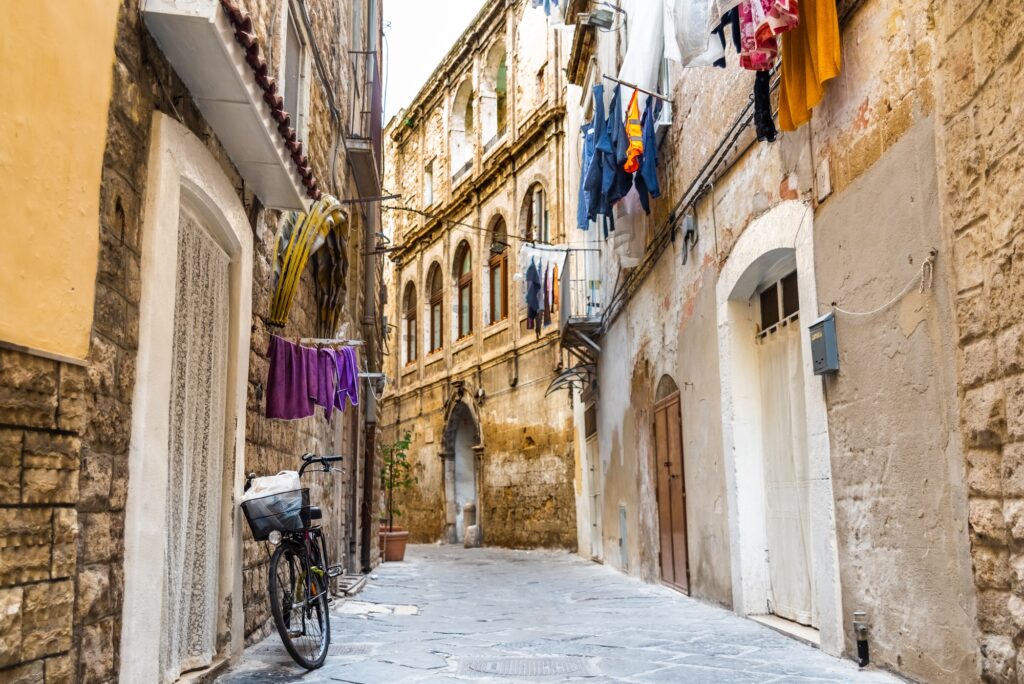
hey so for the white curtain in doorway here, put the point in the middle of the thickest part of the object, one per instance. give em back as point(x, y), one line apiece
point(786, 470)
point(196, 451)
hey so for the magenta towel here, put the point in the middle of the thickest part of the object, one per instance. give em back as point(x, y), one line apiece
point(289, 392)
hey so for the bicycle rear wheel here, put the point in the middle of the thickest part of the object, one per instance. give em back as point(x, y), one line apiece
point(298, 601)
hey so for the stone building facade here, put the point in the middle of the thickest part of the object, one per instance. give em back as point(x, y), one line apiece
point(981, 199)
point(895, 207)
point(478, 159)
point(84, 505)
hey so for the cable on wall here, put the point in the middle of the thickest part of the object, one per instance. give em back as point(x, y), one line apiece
point(925, 276)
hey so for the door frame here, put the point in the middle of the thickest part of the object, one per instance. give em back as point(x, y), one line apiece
point(673, 398)
point(786, 230)
point(181, 169)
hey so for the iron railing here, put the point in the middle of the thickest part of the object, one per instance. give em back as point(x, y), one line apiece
point(581, 291)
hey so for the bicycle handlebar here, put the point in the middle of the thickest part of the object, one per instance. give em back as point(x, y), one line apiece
point(312, 459)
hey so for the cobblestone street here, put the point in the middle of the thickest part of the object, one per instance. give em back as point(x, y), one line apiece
point(450, 614)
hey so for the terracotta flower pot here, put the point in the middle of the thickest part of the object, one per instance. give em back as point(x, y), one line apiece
point(393, 543)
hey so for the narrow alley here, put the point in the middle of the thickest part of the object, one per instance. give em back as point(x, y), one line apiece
point(454, 614)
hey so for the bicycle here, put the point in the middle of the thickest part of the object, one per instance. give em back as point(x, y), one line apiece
point(297, 579)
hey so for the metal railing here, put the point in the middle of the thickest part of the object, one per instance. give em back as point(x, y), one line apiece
point(366, 109)
point(581, 292)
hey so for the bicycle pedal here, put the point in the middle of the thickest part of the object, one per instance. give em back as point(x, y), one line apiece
point(335, 571)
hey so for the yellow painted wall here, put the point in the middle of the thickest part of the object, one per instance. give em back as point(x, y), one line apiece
point(56, 68)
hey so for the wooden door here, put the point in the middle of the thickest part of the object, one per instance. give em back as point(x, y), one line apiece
point(668, 441)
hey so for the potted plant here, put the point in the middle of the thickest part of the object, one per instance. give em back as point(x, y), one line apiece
point(395, 476)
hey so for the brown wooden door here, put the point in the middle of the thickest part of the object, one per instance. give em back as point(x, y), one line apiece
point(668, 441)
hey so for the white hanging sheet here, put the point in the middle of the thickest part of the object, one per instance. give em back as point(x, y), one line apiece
point(786, 477)
point(646, 47)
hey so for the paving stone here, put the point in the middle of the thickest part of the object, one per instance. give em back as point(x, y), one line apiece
point(499, 606)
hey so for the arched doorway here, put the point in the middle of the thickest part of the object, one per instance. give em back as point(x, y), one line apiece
point(668, 445)
point(775, 429)
point(460, 449)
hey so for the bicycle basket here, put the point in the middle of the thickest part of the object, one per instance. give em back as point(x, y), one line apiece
point(285, 512)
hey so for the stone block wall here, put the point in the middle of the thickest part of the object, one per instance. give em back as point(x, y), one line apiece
point(981, 108)
point(65, 427)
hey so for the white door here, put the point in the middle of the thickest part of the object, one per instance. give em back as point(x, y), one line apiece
point(465, 476)
point(196, 451)
point(594, 488)
point(787, 491)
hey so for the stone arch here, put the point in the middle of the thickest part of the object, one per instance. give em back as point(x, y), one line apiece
point(779, 239)
point(494, 94)
point(535, 213)
point(666, 387)
point(461, 451)
point(461, 124)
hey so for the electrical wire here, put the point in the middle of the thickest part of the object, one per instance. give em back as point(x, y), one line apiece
point(460, 225)
point(925, 275)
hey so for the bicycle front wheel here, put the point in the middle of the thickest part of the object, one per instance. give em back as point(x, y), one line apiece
point(298, 601)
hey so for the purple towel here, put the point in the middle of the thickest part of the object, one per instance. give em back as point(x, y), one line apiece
point(327, 380)
point(289, 392)
point(348, 378)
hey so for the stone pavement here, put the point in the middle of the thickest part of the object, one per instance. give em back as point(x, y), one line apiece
point(449, 614)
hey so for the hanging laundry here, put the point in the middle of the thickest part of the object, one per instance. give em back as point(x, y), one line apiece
point(645, 48)
point(327, 379)
point(691, 22)
point(347, 368)
point(646, 180)
point(546, 4)
point(533, 287)
point(634, 134)
point(291, 380)
point(583, 203)
point(773, 17)
point(763, 122)
point(715, 54)
point(811, 56)
point(593, 178)
point(615, 181)
point(756, 54)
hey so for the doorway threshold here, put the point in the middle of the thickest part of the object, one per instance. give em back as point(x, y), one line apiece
point(808, 635)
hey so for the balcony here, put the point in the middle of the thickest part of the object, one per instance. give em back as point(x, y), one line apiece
point(581, 304)
point(363, 138)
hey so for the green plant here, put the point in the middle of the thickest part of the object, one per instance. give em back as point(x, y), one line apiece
point(396, 474)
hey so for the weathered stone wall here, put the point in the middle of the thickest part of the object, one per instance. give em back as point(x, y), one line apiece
point(526, 467)
point(981, 124)
point(893, 428)
point(64, 441)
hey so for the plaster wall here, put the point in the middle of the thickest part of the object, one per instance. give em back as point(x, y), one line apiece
point(51, 169)
point(893, 420)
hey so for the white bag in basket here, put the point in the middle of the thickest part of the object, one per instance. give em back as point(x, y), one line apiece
point(284, 481)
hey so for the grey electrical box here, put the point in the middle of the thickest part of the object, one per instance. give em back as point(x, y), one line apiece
point(824, 347)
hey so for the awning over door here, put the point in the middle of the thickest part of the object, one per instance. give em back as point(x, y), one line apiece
point(199, 39)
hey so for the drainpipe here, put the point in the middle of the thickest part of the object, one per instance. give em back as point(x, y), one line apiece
point(860, 629)
point(369, 403)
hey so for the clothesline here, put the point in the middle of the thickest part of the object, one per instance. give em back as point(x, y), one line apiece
point(331, 341)
point(636, 87)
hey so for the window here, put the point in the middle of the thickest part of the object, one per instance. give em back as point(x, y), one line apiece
point(436, 314)
point(497, 269)
point(779, 302)
point(462, 127)
point(494, 95)
point(537, 223)
point(428, 185)
point(295, 70)
point(464, 274)
point(409, 304)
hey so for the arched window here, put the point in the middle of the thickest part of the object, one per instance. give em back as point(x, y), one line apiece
point(464, 284)
point(536, 223)
point(409, 306)
point(436, 311)
point(462, 127)
point(494, 95)
point(497, 272)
